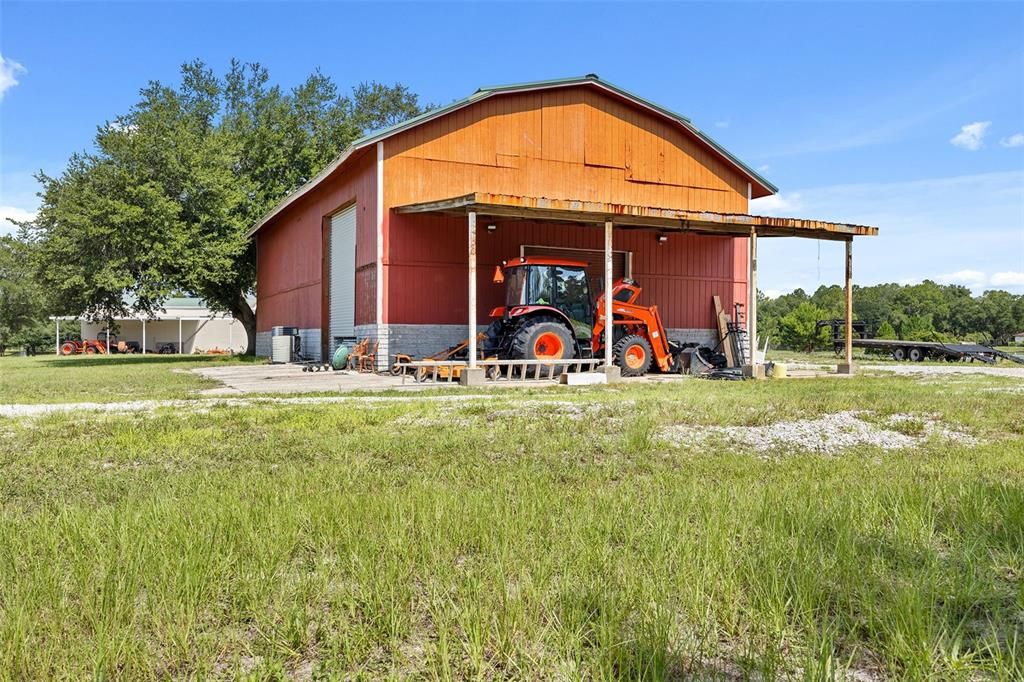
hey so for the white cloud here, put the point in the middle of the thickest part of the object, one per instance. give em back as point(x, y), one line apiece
point(119, 126)
point(9, 72)
point(967, 278)
point(971, 136)
point(928, 228)
point(1007, 279)
point(1015, 140)
point(721, 124)
point(9, 213)
point(764, 168)
point(777, 204)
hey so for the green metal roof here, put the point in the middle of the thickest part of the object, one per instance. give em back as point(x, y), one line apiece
point(488, 91)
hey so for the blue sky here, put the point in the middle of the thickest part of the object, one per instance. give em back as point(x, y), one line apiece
point(905, 116)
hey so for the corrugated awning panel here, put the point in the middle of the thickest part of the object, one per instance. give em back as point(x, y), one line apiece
point(623, 215)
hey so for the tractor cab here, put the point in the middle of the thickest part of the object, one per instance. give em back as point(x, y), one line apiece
point(549, 314)
point(550, 287)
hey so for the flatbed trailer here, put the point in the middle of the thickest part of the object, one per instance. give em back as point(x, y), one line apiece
point(916, 351)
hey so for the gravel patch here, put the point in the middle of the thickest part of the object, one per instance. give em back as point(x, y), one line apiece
point(830, 434)
point(913, 369)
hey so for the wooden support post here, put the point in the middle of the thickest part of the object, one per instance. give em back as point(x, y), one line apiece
point(180, 349)
point(847, 366)
point(108, 339)
point(143, 336)
point(608, 316)
point(58, 337)
point(752, 306)
point(472, 289)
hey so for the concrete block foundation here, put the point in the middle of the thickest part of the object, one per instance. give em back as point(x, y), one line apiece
point(421, 340)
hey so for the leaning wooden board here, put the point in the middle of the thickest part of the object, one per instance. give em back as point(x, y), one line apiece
point(723, 331)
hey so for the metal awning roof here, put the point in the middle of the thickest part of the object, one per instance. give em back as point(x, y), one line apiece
point(158, 318)
point(646, 217)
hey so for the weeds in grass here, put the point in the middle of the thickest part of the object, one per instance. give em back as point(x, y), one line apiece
point(324, 540)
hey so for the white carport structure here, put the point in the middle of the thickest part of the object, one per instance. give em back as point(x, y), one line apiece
point(185, 324)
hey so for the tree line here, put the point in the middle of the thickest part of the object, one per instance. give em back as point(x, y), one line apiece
point(160, 205)
point(918, 312)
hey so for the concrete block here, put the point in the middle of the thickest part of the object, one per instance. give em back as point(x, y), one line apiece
point(753, 371)
point(472, 377)
point(612, 374)
point(844, 368)
point(583, 378)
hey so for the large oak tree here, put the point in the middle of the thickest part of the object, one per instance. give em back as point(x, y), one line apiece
point(162, 203)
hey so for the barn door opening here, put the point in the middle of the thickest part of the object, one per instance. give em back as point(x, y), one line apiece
point(342, 287)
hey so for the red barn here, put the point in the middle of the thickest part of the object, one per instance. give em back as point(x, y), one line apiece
point(376, 245)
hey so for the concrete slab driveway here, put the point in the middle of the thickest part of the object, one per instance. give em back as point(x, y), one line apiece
point(240, 379)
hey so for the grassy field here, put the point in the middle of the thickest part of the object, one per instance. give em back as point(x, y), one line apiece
point(104, 378)
point(543, 534)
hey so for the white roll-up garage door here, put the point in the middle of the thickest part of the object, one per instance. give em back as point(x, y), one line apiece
point(342, 292)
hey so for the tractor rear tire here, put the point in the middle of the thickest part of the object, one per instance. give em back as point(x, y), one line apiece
point(633, 355)
point(543, 338)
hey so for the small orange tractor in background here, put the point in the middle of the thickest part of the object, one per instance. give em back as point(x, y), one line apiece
point(549, 314)
point(85, 346)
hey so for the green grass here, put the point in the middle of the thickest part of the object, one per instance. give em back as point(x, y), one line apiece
point(113, 378)
point(544, 535)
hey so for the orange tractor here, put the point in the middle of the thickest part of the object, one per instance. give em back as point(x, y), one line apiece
point(549, 314)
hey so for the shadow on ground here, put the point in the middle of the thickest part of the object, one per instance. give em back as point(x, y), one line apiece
point(79, 361)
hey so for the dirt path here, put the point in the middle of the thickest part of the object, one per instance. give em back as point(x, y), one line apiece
point(206, 404)
point(916, 369)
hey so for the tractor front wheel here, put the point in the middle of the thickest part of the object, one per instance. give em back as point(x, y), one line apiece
point(633, 355)
point(543, 338)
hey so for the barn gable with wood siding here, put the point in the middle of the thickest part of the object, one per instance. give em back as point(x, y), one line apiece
point(397, 271)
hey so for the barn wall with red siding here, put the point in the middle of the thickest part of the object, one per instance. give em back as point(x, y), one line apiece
point(428, 271)
point(576, 143)
point(289, 251)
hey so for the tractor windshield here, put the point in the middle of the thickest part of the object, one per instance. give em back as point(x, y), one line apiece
point(562, 287)
point(530, 285)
